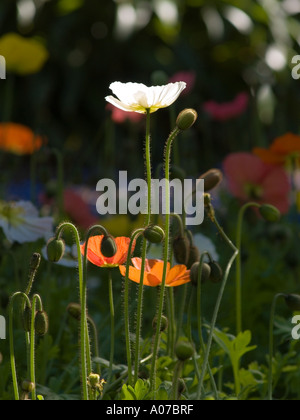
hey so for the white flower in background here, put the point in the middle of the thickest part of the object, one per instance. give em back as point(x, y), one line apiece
point(21, 223)
point(203, 243)
point(70, 258)
point(136, 97)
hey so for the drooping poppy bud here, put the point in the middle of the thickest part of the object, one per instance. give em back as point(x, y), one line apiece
point(212, 179)
point(27, 386)
point(205, 275)
point(41, 323)
point(184, 349)
point(181, 249)
point(270, 213)
point(186, 119)
point(154, 234)
point(108, 246)
point(55, 250)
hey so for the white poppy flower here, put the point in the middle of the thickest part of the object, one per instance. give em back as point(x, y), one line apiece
point(136, 97)
point(21, 223)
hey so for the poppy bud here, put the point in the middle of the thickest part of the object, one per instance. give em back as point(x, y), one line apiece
point(184, 350)
point(163, 326)
point(108, 246)
point(154, 234)
point(94, 380)
point(194, 256)
point(181, 386)
point(206, 271)
point(181, 248)
point(216, 273)
point(41, 323)
point(55, 250)
point(212, 179)
point(26, 318)
point(27, 386)
point(34, 263)
point(270, 213)
point(293, 302)
point(74, 310)
point(186, 119)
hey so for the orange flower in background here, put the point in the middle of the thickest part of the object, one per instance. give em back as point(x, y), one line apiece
point(282, 151)
point(19, 139)
point(176, 276)
point(96, 257)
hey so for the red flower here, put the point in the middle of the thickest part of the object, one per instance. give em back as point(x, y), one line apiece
point(176, 276)
point(250, 179)
point(96, 257)
point(227, 110)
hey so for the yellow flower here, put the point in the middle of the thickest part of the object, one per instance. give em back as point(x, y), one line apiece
point(136, 97)
point(23, 55)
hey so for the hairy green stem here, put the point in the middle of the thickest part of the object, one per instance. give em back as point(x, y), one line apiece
point(126, 304)
point(82, 293)
point(221, 292)
point(112, 327)
point(144, 250)
point(11, 340)
point(166, 257)
point(32, 343)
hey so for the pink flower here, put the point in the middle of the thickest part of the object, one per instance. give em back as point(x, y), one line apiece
point(189, 77)
point(250, 179)
point(227, 110)
point(119, 117)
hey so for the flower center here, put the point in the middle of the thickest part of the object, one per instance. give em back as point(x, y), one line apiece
point(11, 214)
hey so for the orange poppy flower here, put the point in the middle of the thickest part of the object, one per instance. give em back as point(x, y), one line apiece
point(281, 151)
point(18, 139)
point(176, 276)
point(95, 256)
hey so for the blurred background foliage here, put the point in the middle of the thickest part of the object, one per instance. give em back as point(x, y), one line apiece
point(231, 46)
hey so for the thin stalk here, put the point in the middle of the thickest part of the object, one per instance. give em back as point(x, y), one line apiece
point(11, 341)
point(221, 292)
point(239, 316)
point(172, 325)
point(199, 324)
point(271, 345)
point(32, 343)
point(82, 293)
point(144, 249)
point(166, 257)
point(126, 305)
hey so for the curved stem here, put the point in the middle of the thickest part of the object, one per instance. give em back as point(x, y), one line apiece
point(166, 257)
point(199, 322)
point(271, 345)
point(32, 343)
point(239, 317)
point(144, 250)
point(82, 292)
point(11, 341)
point(221, 292)
point(126, 305)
